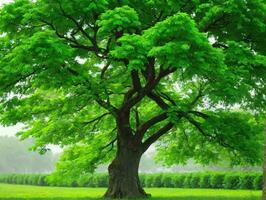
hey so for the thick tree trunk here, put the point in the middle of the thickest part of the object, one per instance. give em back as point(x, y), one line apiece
point(123, 175)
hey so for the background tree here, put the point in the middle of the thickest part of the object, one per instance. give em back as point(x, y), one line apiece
point(109, 78)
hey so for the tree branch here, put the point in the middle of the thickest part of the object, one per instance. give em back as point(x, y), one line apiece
point(197, 126)
point(75, 22)
point(145, 126)
point(96, 119)
point(158, 100)
point(199, 114)
point(149, 73)
point(146, 90)
point(220, 45)
point(105, 69)
point(209, 136)
point(199, 95)
point(156, 136)
point(214, 22)
point(135, 80)
point(111, 143)
point(137, 118)
point(73, 41)
point(75, 44)
point(167, 97)
point(22, 78)
point(136, 85)
point(92, 39)
point(106, 105)
point(101, 102)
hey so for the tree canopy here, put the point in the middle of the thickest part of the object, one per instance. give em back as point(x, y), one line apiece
point(87, 74)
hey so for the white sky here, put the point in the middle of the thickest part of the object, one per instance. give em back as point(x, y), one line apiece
point(10, 131)
point(5, 1)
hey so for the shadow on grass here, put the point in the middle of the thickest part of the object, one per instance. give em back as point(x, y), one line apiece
point(152, 198)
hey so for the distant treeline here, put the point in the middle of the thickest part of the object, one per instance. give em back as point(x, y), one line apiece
point(252, 181)
point(15, 157)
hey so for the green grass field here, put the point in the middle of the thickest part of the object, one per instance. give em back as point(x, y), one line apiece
point(16, 192)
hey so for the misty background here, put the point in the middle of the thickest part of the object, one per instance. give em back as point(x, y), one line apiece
point(16, 157)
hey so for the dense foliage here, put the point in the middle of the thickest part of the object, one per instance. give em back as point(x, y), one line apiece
point(252, 181)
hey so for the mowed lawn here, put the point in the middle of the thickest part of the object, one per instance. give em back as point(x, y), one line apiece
point(16, 192)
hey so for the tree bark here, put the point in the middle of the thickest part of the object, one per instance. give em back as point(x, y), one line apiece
point(123, 175)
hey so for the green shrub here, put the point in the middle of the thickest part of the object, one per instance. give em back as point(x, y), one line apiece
point(157, 180)
point(167, 180)
point(12, 178)
point(205, 181)
point(195, 181)
point(100, 180)
point(90, 181)
point(148, 180)
point(187, 181)
point(83, 181)
point(42, 180)
point(142, 178)
point(246, 181)
point(217, 180)
point(25, 179)
point(258, 182)
point(231, 181)
point(176, 180)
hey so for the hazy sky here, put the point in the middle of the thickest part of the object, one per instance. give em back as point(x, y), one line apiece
point(10, 131)
point(5, 1)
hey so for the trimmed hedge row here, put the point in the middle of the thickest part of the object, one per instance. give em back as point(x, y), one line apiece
point(204, 180)
point(251, 181)
point(25, 179)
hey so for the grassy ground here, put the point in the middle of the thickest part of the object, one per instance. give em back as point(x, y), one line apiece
point(22, 192)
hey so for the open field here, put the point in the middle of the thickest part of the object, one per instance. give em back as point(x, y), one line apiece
point(22, 192)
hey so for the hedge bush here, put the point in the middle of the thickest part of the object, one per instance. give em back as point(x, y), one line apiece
point(205, 181)
point(24, 179)
point(246, 181)
point(258, 182)
point(175, 180)
point(167, 181)
point(232, 181)
point(217, 180)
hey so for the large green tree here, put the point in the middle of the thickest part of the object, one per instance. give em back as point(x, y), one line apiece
point(108, 78)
